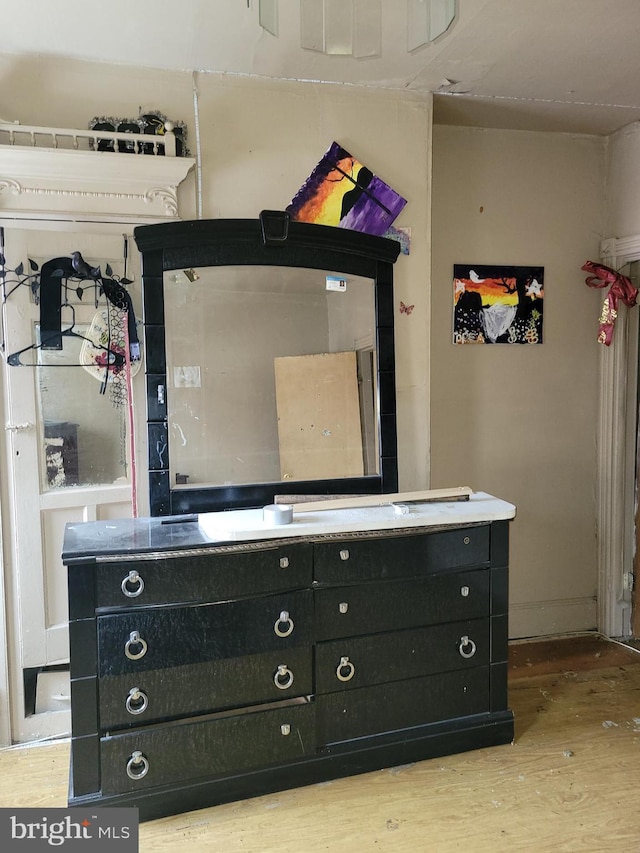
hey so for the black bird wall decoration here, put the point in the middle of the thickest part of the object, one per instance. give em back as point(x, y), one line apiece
point(82, 268)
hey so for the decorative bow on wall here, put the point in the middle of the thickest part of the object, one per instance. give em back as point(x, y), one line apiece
point(620, 289)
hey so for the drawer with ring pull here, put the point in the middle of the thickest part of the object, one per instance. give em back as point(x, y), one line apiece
point(201, 575)
point(393, 605)
point(387, 557)
point(393, 656)
point(177, 752)
point(161, 638)
point(147, 697)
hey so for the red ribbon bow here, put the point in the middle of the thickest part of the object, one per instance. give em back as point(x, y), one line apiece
point(621, 289)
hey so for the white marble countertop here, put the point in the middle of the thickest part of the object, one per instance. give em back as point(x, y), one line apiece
point(245, 525)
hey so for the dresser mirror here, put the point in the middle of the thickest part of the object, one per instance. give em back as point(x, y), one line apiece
point(270, 364)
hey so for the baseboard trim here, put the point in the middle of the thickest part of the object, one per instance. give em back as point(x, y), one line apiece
point(557, 616)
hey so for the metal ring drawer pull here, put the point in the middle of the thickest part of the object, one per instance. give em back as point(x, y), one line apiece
point(135, 640)
point(287, 621)
point(467, 647)
point(137, 701)
point(346, 670)
point(283, 678)
point(132, 585)
point(137, 765)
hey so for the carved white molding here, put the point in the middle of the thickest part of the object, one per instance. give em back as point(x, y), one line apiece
point(89, 185)
point(167, 195)
point(12, 186)
point(616, 452)
point(621, 249)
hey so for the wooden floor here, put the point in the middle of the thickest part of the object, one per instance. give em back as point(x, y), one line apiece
point(569, 782)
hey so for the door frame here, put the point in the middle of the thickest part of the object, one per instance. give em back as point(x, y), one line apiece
point(78, 188)
point(5, 714)
point(617, 457)
point(22, 635)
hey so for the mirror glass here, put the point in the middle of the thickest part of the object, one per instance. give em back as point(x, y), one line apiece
point(270, 375)
point(84, 439)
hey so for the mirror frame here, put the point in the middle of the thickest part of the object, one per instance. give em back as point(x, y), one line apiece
point(270, 240)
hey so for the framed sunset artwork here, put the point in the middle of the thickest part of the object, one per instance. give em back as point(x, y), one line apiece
point(497, 304)
point(342, 192)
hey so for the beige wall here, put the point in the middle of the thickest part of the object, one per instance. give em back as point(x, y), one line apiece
point(520, 421)
point(622, 208)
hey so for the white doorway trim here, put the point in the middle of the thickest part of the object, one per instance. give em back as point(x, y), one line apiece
point(5, 713)
point(73, 187)
point(616, 454)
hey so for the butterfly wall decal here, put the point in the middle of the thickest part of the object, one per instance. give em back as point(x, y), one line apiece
point(406, 309)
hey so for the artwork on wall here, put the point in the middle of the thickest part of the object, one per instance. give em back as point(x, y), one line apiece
point(401, 233)
point(497, 304)
point(341, 191)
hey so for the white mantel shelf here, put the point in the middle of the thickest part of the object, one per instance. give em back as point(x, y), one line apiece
point(49, 182)
point(247, 525)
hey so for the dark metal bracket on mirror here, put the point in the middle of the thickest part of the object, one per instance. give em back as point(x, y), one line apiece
point(269, 241)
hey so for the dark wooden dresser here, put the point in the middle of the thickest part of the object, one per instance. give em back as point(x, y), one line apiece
point(205, 670)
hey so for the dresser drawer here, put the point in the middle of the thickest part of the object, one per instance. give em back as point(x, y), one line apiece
point(196, 575)
point(389, 557)
point(163, 637)
point(402, 704)
point(393, 605)
point(375, 659)
point(178, 752)
point(154, 695)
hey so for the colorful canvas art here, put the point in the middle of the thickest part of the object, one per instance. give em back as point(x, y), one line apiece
point(497, 304)
point(341, 191)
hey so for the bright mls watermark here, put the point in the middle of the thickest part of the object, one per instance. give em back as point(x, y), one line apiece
point(79, 829)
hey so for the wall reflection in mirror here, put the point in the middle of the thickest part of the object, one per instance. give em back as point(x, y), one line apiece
point(83, 440)
point(270, 375)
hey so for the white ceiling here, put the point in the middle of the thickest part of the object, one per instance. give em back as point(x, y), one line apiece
point(565, 65)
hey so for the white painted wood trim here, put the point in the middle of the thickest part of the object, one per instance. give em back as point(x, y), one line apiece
point(49, 183)
point(62, 187)
point(44, 726)
point(15, 134)
point(5, 720)
point(616, 452)
point(624, 248)
point(73, 496)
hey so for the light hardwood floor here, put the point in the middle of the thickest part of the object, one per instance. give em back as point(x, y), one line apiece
point(569, 782)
